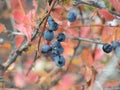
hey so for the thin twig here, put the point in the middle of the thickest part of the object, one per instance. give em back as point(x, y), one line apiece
point(86, 39)
point(93, 25)
point(12, 57)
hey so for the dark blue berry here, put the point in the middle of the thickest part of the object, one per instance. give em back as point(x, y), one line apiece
point(46, 49)
point(50, 19)
point(115, 45)
point(58, 51)
point(107, 48)
point(53, 26)
point(117, 51)
point(61, 37)
point(71, 16)
point(59, 61)
point(56, 44)
point(48, 35)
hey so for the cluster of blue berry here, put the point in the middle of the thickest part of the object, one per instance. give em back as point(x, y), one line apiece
point(55, 50)
point(109, 47)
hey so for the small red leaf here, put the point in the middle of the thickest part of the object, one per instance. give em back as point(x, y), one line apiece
point(115, 4)
point(19, 80)
point(66, 82)
point(2, 27)
point(18, 40)
point(84, 31)
point(25, 29)
point(18, 15)
point(107, 15)
point(98, 54)
point(32, 77)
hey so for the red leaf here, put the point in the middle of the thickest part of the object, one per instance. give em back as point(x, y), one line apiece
point(18, 15)
point(18, 40)
point(107, 15)
point(19, 80)
point(14, 4)
point(85, 31)
point(87, 57)
point(108, 34)
point(58, 10)
point(25, 29)
point(115, 4)
point(98, 54)
point(112, 84)
point(2, 27)
point(66, 82)
point(72, 32)
point(32, 77)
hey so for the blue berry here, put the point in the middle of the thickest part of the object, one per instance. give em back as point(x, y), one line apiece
point(46, 49)
point(48, 35)
point(58, 51)
point(61, 37)
point(53, 26)
point(71, 16)
point(56, 44)
point(50, 19)
point(59, 61)
point(117, 51)
point(115, 44)
point(107, 48)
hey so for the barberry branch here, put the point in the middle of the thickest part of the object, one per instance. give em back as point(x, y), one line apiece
point(94, 5)
point(13, 56)
point(86, 39)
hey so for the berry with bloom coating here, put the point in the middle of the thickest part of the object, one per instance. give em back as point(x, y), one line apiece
point(59, 61)
point(71, 16)
point(48, 35)
point(61, 37)
point(46, 49)
point(53, 26)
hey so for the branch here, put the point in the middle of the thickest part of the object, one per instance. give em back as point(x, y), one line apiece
point(13, 56)
point(86, 39)
point(94, 5)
